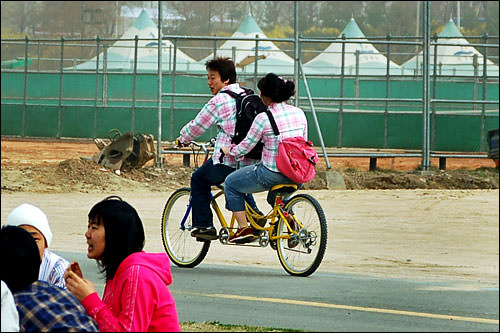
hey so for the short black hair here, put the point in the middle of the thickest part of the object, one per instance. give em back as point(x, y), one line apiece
point(20, 258)
point(225, 67)
point(124, 232)
point(276, 88)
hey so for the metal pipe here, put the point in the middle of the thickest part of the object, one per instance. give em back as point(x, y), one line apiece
point(172, 100)
point(134, 87)
point(96, 85)
point(425, 92)
point(483, 109)
point(160, 74)
point(341, 104)
point(59, 111)
point(314, 115)
point(356, 79)
point(25, 92)
point(104, 75)
point(256, 60)
point(434, 82)
point(387, 91)
point(296, 53)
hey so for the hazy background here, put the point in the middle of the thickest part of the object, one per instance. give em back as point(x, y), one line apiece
point(88, 19)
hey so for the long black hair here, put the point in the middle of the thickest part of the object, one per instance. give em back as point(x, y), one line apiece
point(276, 88)
point(124, 232)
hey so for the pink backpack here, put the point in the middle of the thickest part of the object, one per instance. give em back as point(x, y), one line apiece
point(296, 156)
point(297, 159)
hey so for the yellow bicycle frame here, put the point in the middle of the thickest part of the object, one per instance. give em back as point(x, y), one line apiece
point(273, 217)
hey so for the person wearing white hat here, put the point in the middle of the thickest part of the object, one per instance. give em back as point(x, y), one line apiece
point(34, 220)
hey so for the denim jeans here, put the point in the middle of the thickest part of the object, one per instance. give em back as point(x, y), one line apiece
point(251, 179)
point(201, 182)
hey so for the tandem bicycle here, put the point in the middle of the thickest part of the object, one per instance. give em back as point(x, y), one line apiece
point(296, 226)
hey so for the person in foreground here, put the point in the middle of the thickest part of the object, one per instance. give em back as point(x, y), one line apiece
point(136, 296)
point(34, 220)
point(291, 122)
point(220, 110)
point(42, 307)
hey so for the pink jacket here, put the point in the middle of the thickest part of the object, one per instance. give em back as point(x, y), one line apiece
point(137, 299)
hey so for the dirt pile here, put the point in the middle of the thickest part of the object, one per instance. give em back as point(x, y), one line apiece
point(80, 175)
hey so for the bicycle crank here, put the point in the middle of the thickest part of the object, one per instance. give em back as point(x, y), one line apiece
point(224, 236)
point(264, 238)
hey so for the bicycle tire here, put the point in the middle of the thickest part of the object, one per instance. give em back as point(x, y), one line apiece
point(305, 258)
point(183, 249)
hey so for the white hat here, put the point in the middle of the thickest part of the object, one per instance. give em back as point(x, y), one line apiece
point(30, 215)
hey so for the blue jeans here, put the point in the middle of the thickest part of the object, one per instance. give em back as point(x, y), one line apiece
point(251, 179)
point(201, 182)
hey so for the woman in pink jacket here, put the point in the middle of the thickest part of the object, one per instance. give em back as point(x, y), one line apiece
point(136, 297)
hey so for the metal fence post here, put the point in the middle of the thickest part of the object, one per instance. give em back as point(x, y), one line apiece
point(356, 79)
point(255, 63)
point(25, 92)
point(341, 104)
point(172, 100)
point(425, 92)
point(433, 104)
point(105, 75)
point(387, 91)
point(296, 53)
point(134, 87)
point(475, 64)
point(59, 113)
point(160, 87)
point(96, 85)
point(485, 75)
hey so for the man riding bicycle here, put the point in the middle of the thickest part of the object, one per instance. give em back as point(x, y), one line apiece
point(220, 110)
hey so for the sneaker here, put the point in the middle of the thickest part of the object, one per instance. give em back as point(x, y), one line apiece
point(208, 233)
point(242, 235)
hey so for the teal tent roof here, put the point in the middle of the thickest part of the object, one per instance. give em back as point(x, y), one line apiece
point(144, 21)
point(450, 30)
point(249, 26)
point(352, 30)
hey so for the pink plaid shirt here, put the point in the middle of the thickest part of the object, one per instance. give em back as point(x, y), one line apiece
point(220, 110)
point(291, 122)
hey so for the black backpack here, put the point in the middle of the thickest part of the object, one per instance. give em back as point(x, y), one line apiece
point(248, 106)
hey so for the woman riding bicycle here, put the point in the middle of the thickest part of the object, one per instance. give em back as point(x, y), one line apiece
point(291, 122)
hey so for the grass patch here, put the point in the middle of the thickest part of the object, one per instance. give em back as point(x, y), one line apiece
point(215, 326)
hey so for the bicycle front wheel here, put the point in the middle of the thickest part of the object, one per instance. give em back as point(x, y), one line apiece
point(176, 225)
point(302, 254)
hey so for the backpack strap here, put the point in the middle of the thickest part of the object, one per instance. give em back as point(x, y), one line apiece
point(230, 93)
point(273, 122)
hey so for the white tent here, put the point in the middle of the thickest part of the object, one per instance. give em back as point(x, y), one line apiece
point(271, 58)
point(120, 56)
point(451, 59)
point(371, 61)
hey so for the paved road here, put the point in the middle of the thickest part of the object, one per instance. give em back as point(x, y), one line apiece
point(323, 302)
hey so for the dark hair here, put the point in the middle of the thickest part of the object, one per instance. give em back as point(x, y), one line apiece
point(20, 258)
point(124, 233)
point(276, 88)
point(225, 67)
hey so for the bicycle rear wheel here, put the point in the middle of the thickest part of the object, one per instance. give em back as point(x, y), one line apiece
point(303, 254)
point(176, 225)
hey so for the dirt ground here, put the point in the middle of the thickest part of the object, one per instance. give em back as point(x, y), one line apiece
point(393, 222)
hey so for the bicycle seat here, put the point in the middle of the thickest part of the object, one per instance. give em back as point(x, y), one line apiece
point(285, 188)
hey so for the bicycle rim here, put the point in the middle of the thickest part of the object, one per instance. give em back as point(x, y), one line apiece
point(183, 249)
point(306, 256)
